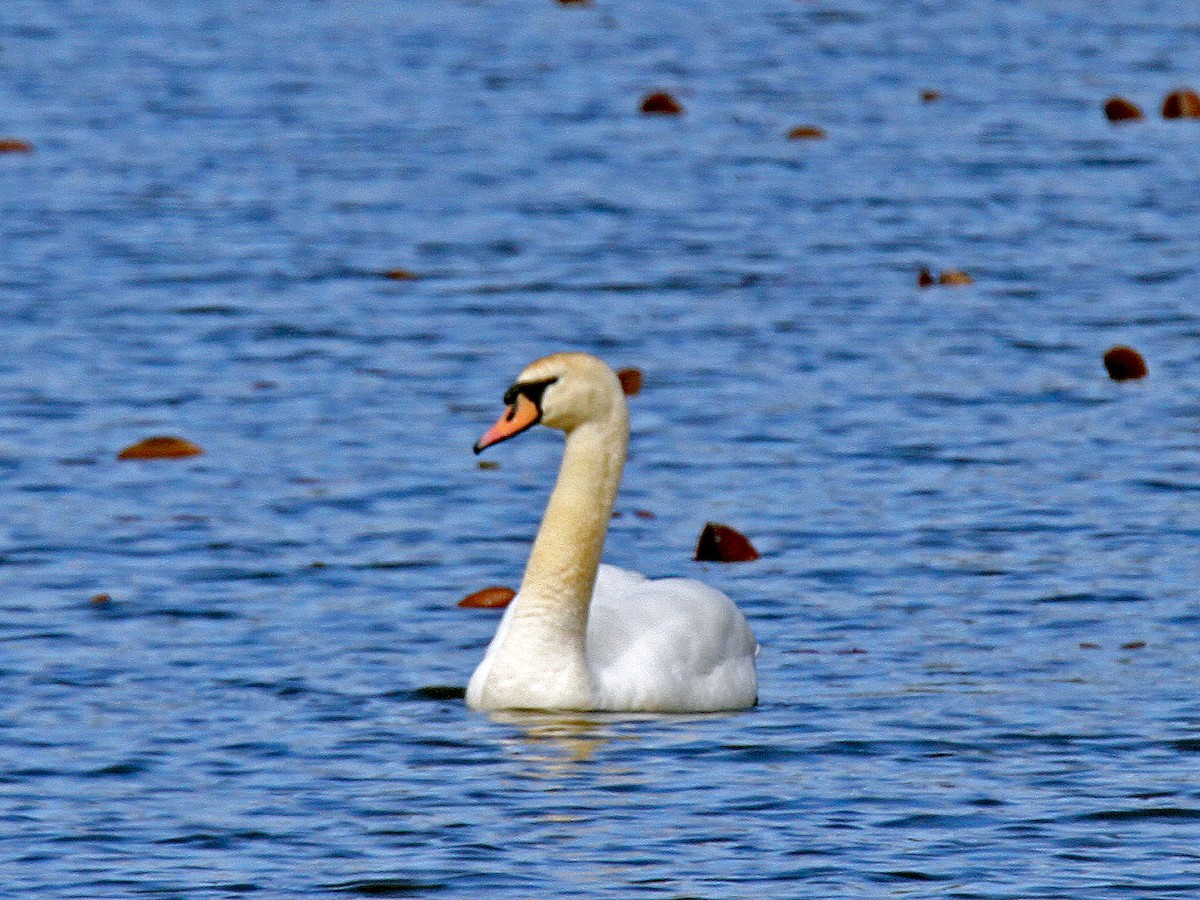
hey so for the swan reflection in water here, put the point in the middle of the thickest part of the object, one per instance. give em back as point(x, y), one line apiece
point(554, 746)
point(560, 745)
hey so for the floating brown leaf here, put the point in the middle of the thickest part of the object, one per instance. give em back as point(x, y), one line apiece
point(925, 278)
point(161, 447)
point(1118, 109)
point(15, 145)
point(1125, 364)
point(930, 96)
point(400, 275)
point(631, 381)
point(495, 597)
point(720, 543)
point(1181, 104)
point(954, 277)
point(100, 599)
point(806, 132)
point(662, 103)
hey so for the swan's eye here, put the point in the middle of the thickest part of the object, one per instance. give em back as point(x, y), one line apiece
point(531, 390)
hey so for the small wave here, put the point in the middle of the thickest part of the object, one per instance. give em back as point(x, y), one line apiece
point(1151, 812)
point(1088, 597)
point(910, 875)
point(435, 692)
point(386, 887)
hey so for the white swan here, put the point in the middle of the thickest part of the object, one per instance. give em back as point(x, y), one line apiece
point(584, 636)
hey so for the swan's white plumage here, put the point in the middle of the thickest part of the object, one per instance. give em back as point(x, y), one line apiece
point(667, 644)
point(584, 636)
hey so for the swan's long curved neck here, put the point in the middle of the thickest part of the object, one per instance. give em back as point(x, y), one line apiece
point(561, 572)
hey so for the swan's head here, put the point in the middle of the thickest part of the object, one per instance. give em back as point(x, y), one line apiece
point(563, 391)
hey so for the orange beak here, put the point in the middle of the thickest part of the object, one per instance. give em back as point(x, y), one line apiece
point(523, 414)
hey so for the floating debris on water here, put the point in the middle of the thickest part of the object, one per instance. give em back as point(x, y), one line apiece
point(661, 103)
point(495, 597)
point(720, 543)
point(1181, 104)
point(15, 145)
point(631, 381)
point(161, 447)
point(806, 132)
point(948, 278)
point(1118, 109)
point(954, 277)
point(1125, 364)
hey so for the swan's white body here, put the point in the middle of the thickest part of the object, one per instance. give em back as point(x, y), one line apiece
point(584, 636)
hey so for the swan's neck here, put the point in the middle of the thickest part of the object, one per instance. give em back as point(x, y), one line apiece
point(566, 553)
point(539, 656)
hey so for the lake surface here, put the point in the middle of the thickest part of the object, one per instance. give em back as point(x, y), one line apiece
point(977, 602)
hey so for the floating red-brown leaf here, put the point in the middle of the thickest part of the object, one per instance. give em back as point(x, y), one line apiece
point(400, 275)
point(925, 278)
point(662, 103)
point(495, 597)
point(720, 543)
point(954, 277)
point(1181, 104)
point(806, 133)
point(930, 96)
point(1118, 109)
point(1133, 645)
point(100, 599)
point(161, 447)
point(1088, 645)
point(644, 514)
point(15, 145)
point(1125, 364)
point(631, 381)
point(574, 2)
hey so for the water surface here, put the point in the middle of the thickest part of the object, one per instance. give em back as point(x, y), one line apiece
point(977, 599)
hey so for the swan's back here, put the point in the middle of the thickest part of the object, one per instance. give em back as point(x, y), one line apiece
point(667, 645)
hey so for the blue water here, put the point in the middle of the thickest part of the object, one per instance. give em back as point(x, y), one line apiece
point(978, 596)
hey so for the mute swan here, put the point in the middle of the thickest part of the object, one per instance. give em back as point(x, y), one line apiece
point(580, 635)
